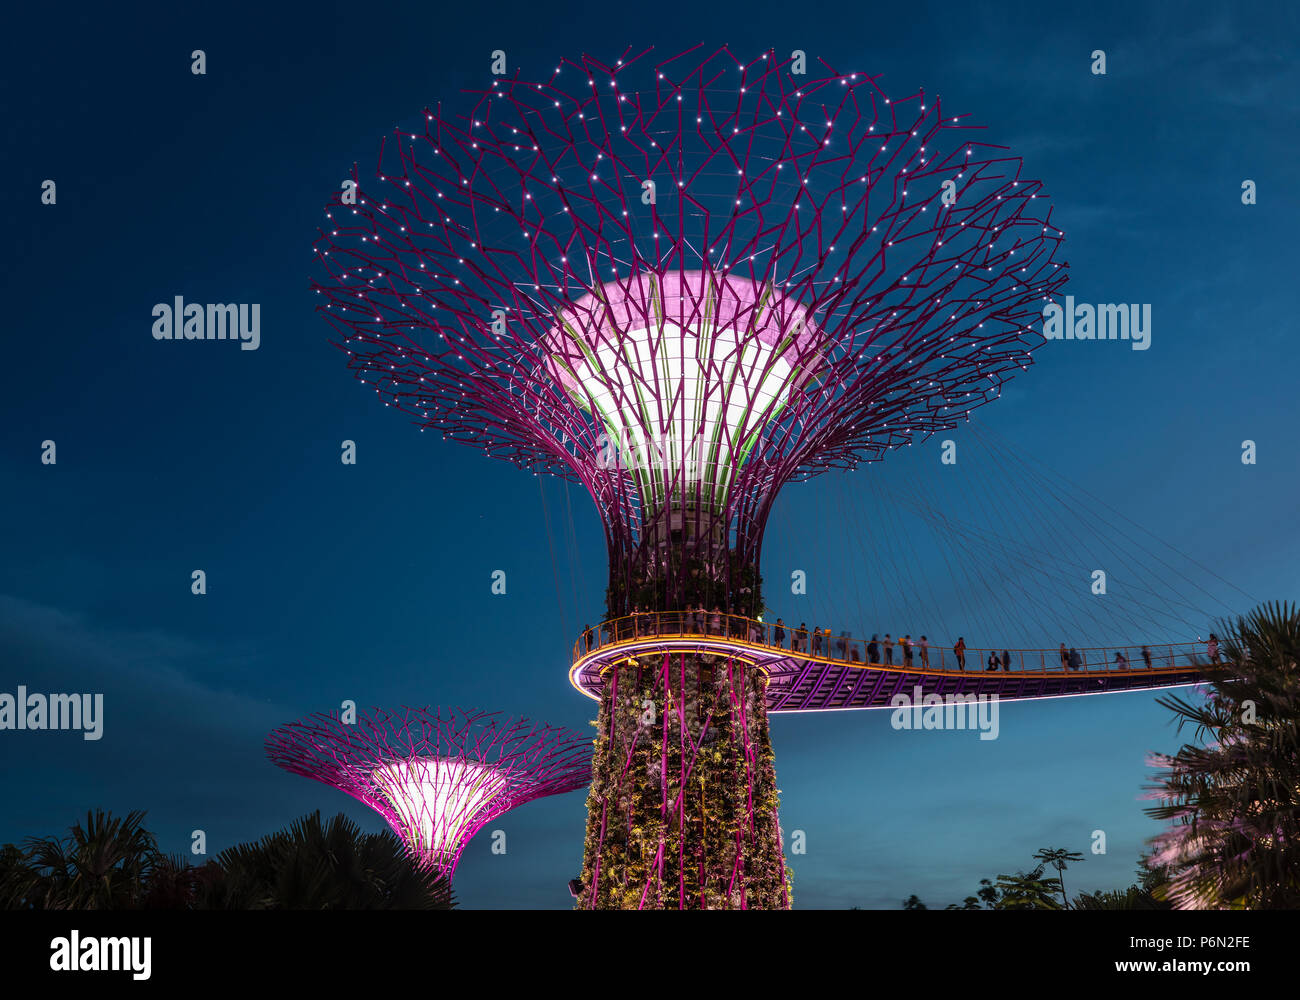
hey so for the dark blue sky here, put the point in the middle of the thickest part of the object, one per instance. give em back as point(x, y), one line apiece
point(371, 582)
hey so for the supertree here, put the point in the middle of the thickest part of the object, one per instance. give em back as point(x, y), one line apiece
point(437, 777)
point(684, 283)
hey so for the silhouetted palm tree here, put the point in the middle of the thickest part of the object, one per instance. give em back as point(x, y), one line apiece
point(324, 866)
point(112, 863)
point(1028, 891)
point(102, 865)
point(1132, 898)
point(1141, 896)
point(1235, 801)
point(1059, 858)
point(173, 884)
point(18, 880)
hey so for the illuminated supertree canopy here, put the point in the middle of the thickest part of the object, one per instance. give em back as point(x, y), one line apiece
point(436, 777)
point(685, 282)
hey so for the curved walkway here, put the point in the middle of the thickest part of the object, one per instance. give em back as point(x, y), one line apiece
point(828, 673)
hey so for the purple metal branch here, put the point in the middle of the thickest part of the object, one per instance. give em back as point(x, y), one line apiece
point(890, 259)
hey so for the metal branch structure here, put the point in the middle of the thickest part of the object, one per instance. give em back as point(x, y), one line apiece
point(437, 778)
point(684, 283)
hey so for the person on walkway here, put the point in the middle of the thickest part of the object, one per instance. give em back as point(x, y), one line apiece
point(1065, 657)
point(799, 640)
point(1121, 661)
point(993, 662)
point(1006, 660)
point(842, 645)
point(779, 633)
point(906, 643)
point(925, 651)
point(1075, 660)
point(715, 622)
point(959, 651)
point(1212, 648)
point(1146, 657)
point(889, 650)
point(873, 651)
point(817, 641)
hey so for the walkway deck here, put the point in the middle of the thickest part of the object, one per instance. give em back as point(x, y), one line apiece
point(832, 673)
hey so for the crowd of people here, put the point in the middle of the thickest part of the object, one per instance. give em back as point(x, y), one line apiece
point(696, 620)
point(818, 641)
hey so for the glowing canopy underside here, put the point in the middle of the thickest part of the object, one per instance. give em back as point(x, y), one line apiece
point(437, 799)
point(684, 371)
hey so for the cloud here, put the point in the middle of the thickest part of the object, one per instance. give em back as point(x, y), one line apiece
point(184, 749)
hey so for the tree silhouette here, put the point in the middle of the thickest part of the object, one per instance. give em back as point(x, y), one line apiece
point(1059, 858)
point(1028, 891)
point(114, 864)
point(1140, 896)
point(315, 865)
point(104, 864)
point(1235, 800)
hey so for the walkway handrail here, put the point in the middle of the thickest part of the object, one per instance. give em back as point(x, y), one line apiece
point(707, 625)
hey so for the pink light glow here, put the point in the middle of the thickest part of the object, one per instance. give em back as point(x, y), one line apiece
point(437, 799)
point(683, 370)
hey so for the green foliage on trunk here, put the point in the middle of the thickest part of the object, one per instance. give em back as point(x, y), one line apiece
point(707, 853)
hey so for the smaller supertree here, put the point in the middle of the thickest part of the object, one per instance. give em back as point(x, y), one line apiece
point(437, 779)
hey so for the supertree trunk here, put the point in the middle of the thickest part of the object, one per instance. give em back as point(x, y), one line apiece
point(682, 811)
